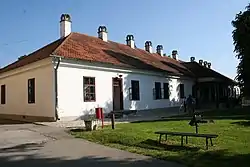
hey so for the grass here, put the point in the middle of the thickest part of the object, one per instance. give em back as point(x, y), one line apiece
point(231, 148)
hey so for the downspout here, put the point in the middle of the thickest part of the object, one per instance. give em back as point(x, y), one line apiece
point(58, 60)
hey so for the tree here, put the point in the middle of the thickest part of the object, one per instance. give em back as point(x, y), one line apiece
point(241, 38)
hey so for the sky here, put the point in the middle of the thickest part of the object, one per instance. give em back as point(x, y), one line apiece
point(198, 28)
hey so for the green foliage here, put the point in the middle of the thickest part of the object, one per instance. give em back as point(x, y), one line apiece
point(241, 37)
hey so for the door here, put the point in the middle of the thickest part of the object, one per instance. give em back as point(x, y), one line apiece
point(117, 94)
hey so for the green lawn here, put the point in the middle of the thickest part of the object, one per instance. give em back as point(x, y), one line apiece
point(232, 147)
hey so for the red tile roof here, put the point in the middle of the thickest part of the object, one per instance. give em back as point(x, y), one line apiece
point(201, 71)
point(35, 56)
point(87, 48)
point(92, 49)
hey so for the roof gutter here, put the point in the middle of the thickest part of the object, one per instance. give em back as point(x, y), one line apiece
point(56, 61)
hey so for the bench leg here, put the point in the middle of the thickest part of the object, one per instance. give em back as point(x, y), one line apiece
point(206, 143)
point(186, 140)
point(181, 140)
point(160, 138)
point(211, 142)
point(166, 137)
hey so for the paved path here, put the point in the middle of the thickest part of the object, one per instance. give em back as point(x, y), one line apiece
point(140, 116)
point(32, 145)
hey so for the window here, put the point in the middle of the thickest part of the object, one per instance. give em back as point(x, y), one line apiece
point(165, 90)
point(182, 93)
point(157, 91)
point(134, 90)
point(3, 94)
point(89, 89)
point(31, 90)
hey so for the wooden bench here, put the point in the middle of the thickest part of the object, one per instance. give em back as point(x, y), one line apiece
point(184, 134)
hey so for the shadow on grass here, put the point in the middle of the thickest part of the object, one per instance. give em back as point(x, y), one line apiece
point(192, 156)
point(242, 123)
point(155, 145)
point(221, 158)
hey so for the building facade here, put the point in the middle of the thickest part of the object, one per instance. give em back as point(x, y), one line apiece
point(73, 75)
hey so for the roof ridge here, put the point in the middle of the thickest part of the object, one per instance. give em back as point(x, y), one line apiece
point(210, 69)
point(61, 44)
point(34, 56)
point(146, 56)
point(140, 49)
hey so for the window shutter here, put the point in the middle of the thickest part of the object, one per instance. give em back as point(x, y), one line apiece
point(162, 93)
point(154, 94)
point(130, 93)
point(182, 93)
point(168, 92)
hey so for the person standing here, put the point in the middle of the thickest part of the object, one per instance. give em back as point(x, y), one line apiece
point(189, 104)
point(184, 104)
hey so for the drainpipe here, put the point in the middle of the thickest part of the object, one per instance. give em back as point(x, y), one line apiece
point(57, 60)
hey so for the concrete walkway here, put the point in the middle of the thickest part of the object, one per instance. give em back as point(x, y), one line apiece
point(31, 145)
point(140, 116)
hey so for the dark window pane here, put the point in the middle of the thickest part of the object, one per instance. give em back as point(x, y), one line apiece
point(92, 89)
point(3, 94)
point(157, 90)
point(135, 90)
point(86, 80)
point(91, 81)
point(31, 90)
point(86, 89)
point(166, 90)
point(92, 97)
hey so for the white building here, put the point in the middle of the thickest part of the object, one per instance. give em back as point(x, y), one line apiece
point(77, 73)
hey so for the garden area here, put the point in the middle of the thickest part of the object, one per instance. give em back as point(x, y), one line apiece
point(231, 148)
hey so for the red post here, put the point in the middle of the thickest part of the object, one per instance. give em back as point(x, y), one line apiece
point(100, 115)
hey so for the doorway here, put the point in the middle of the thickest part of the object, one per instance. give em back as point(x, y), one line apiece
point(117, 94)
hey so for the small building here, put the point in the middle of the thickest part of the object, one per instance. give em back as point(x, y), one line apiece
point(211, 88)
point(73, 75)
